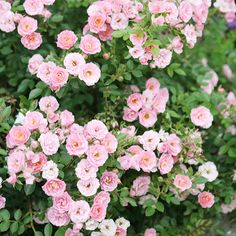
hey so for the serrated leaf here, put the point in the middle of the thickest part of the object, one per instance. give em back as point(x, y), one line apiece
point(160, 207)
point(14, 227)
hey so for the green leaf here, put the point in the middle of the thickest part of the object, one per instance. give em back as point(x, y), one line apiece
point(232, 152)
point(4, 226)
point(29, 188)
point(131, 201)
point(6, 112)
point(61, 231)
point(5, 214)
point(180, 72)
point(35, 93)
point(160, 207)
point(38, 233)
point(223, 149)
point(14, 227)
point(149, 202)
point(17, 214)
point(200, 180)
point(118, 33)
point(150, 211)
point(57, 18)
point(48, 230)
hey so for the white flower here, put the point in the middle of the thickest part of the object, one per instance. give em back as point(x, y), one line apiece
point(50, 170)
point(108, 228)
point(208, 170)
point(123, 223)
point(20, 118)
point(91, 225)
point(149, 140)
point(163, 136)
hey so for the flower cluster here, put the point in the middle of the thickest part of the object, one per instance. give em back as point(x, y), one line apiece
point(26, 25)
point(227, 7)
point(148, 105)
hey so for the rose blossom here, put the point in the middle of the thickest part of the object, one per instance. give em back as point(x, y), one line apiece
point(88, 187)
point(150, 232)
point(37, 162)
point(49, 143)
point(185, 11)
point(109, 181)
point(66, 39)
point(148, 161)
point(140, 186)
point(206, 199)
point(34, 62)
point(182, 182)
point(110, 143)
point(4, 7)
point(62, 202)
point(48, 104)
point(33, 120)
point(98, 211)
point(33, 7)
point(54, 187)
point(58, 77)
point(227, 72)
point(165, 163)
point(76, 144)
point(209, 171)
point(97, 155)
point(32, 41)
point(201, 116)
point(79, 211)
point(50, 170)
point(27, 25)
point(72, 62)
point(97, 22)
point(90, 44)
point(96, 129)
point(2, 202)
point(7, 23)
point(173, 145)
point(57, 218)
point(150, 139)
point(134, 101)
point(107, 227)
point(85, 170)
point(130, 115)
point(147, 117)
point(119, 21)
point(102, 198)
point(66, 118)
point(15, 162)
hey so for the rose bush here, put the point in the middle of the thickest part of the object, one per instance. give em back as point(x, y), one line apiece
point(117, 117)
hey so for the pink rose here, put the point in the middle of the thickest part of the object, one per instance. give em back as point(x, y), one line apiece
point(185, 11)
point(90, 44)
point(206, 199)
point(76, 145)
point(177, 45)
point(163, 59)
point(135, 101)
point(45, 71)
point(48, 2)
point(140, 186)
point(165, 163)
point(18, 135)
point(7, 23)
point(58, 77)
point(150, 232)
point(137, 39)
point(102, 198)
point(57, 218)
point(119, 21)
point(96, 129)
point(2, 202)
point(190, 35)
point(66, 39)
point(72, 62)
point(152, 84)
point(32, 41)
point(90, 73)
point(54, 187)
point(107, 34)
point(48, 104)
point(37, 162)
point(27, 26)
point(62, 202)
point(85, 170)
point(88, 187)
point(147, 117)
point(79, 211)
point(33, 120)
point(49, 143)
point(97, 22)
point(66, 118)
point(148, 161)
point(182, 182)
point(34, 62)
point(227, 72)
point(98, 212)
point(4, 7)
point(110, 143)
point(33, 7)
point(173, 145)
point(109, 181)
point(130, 115)
point(120, 231)
point(201, 116)
point(97, 155)
point(16, 162)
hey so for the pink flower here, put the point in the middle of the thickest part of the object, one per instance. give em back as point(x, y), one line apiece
point(58, 77)
point(152, 84)
point(150, 232)
point(89, 73)
point(163, 59)
point(96, 129)
point(107, 34)
point(62, 202)
point(147, 117)
point(129, 131)
point(148, 161)
point(134, 101)
point(110, 143)
point(15, 162)
point(165, 163)
point(54, 187)
point(140, 186)
point(130, 115)
point(102, 198)
point(33, 7)
point(76, 145)
point(90, 44)
point(227, 72)
point(231, 99)
point(34, 62)
point(32, 41)
point(48, 2)
point(190, 34)
point(37, 162)
point(66, 118)
point(97, 155)
point(57, 218)
point(33, 120)
point(48, 104)
point(119, 21)
point(7, 23)
point(72, 62)
point(182, 182)
point(79, 211)
point(201, 116)
point(98, 212)
point(4, 7)
point(185, 11)
point(27, 26)
point(150, 139)
point(173, 145)
point(85, 170)
point(49, 143)
point(2, 202)
point(177, 45)
point(136, 52)
point(66, 39)
point(88, 187)
point(109, 181)
point(206, 199)
point(120, 232)
point(45, 71)
point(18, 135)
point(97, 22)
point(138, 39)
